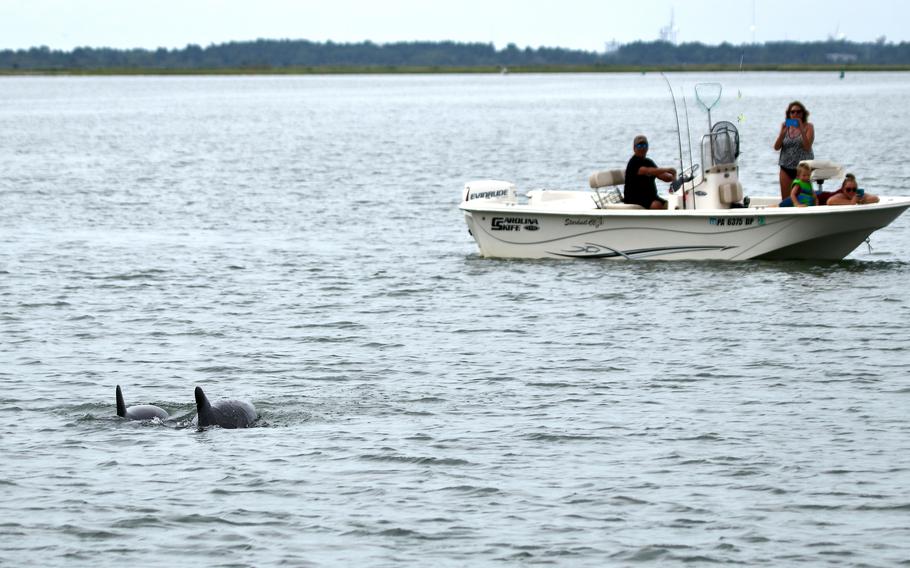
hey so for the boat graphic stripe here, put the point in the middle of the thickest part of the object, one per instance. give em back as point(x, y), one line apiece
point(600, 251)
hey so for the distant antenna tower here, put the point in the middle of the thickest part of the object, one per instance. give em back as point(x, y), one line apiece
point(752, 27)
point(670, 31)
point(837, 35)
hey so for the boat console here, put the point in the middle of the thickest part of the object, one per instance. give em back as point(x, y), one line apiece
point(718, 187)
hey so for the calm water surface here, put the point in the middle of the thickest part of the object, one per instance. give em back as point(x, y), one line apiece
point(294, 241)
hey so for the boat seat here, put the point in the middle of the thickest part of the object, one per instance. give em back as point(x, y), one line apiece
point(824, 169)
point(731, 192)
point(607, 178)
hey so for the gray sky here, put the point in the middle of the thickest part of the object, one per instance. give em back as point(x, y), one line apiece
point(578, 24)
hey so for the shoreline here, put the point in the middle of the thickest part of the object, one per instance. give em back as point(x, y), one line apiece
point(439, 70)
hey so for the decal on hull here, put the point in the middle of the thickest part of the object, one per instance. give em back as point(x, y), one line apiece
point(591, 250)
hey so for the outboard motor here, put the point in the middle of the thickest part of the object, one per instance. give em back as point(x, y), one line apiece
point(492, 190)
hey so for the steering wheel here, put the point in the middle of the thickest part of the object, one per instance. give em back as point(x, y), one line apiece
point(685, 176)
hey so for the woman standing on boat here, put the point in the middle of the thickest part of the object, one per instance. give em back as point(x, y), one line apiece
point(795, 144)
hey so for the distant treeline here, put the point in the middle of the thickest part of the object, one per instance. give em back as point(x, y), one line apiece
point(302, 54)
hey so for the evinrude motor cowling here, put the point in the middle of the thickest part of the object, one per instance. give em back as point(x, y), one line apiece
point(490, 189)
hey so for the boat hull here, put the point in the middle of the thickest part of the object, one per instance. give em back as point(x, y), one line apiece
point(817, 233)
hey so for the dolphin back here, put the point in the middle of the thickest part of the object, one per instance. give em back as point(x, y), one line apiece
point(138, 412)
point(234, 413)
point(146, 412)
point(224, 413)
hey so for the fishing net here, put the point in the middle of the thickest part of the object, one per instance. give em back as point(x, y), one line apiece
point(724, 143)
point(708, 94)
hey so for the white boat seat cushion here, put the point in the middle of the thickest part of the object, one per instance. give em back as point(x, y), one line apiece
point(824, 169)
point(607, 178)
point(731, 192)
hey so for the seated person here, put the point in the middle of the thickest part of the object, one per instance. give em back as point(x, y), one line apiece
point(850, 194)
point(801, 190)
point(640, 187)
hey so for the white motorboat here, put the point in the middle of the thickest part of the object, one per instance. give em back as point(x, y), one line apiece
point(708, 217)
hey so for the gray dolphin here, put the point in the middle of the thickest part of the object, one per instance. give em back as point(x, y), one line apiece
point(224, 413)
point(138, 412)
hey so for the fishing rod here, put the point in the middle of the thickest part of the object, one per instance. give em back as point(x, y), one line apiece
point(676, 115)
point(688, 133)
point(676, 183)
point(691, 175)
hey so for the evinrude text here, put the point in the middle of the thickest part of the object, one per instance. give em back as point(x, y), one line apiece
point(488, 194)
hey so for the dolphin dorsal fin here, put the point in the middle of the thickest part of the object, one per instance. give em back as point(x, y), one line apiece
point(121, 406)
point(203, 407)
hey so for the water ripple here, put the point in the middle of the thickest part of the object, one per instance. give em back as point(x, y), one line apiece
point(295, 242)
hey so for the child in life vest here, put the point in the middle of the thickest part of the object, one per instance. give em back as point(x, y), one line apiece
point(801, 194)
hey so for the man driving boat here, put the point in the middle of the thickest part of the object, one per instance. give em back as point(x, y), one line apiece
point(641, 171)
